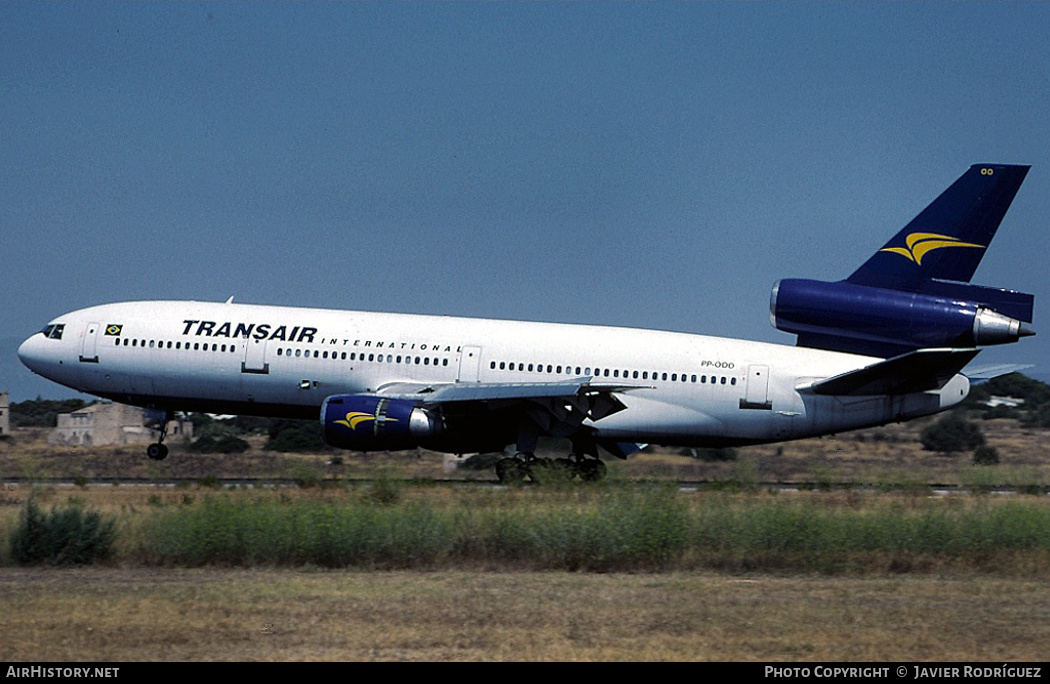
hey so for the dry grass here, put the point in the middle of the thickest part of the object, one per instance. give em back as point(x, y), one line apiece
point(890, 454)
point(197, 615)
point(152, 614)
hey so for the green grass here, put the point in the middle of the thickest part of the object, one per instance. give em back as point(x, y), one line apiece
point(600, 530)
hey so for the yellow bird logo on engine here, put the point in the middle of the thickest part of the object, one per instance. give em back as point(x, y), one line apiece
point(919, 244)
point(355, 418)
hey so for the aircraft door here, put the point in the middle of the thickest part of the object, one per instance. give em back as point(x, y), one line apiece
point(469, 364)
point(255, 358)
point(757, 391)
point(89, 343)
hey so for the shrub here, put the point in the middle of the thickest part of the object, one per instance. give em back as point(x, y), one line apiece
point(713, 455)
point(62, 537)
point(485, 461)
point(986, 454)
point(951, 433)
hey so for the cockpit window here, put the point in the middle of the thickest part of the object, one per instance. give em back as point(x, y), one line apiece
point(54, 332)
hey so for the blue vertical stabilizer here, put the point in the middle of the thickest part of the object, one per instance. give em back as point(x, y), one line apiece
point(947, 240)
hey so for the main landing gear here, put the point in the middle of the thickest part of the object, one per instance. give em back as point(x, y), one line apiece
point(525, 465)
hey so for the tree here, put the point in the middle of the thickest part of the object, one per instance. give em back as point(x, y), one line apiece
point(296, 435)
point(42, 412)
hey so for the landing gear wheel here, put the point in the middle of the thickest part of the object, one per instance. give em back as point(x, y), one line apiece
point(157, 452)
point(592, 470)
point(511, 470)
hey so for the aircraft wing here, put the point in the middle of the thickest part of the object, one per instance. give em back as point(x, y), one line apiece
point(601, 396)
point(918, 371)
point(556, 409)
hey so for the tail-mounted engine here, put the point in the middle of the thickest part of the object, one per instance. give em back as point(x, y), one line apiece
point(873, 320)
point(364, 422)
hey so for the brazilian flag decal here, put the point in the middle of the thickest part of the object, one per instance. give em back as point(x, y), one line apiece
point(113, 330)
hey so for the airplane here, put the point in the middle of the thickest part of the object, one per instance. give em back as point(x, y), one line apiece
point(887, 344)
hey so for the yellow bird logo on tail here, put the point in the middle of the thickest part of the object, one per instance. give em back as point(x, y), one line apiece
point(919, 244)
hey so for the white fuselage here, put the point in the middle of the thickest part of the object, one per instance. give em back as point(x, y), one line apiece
point(688, 390)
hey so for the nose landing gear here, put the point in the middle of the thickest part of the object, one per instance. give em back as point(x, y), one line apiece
point(157, 452)
point(158, 420)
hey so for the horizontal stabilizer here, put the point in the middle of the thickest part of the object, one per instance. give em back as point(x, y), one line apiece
point(982, 373)
point(918, 371)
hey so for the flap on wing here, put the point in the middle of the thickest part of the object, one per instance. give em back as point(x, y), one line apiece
point(491, 391)
point(918, 371)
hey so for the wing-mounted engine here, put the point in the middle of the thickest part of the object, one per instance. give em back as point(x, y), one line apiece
point(364, 422)
point(844, 316)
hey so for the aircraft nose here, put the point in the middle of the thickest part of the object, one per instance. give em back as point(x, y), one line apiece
point(29, 352)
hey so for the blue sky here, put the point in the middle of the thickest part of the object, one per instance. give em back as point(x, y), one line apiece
point(643, 164)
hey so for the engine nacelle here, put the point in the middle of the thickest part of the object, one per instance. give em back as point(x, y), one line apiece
point(366, 422)
point(888, 317)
